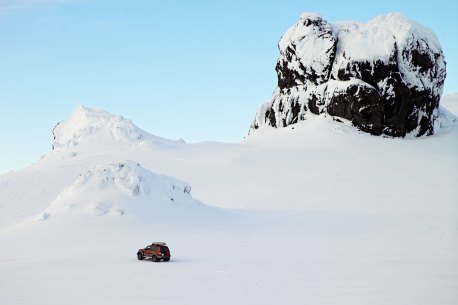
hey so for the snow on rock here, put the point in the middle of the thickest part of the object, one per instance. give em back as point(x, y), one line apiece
point(299, 62)
point(86, 122)
point(385, 76)
point(118, 189)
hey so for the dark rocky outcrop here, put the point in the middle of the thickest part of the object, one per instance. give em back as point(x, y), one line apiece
point(385, 76)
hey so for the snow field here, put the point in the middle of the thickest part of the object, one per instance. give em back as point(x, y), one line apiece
point(265, 258)
point(318, 214)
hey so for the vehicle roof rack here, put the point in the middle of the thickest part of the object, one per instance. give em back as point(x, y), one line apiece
point(159, 243)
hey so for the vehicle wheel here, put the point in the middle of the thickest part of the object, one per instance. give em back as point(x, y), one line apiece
point(166, 259)
point(154, 258)
point(140, 256)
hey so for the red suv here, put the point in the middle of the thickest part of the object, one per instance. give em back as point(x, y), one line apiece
point(156, 251)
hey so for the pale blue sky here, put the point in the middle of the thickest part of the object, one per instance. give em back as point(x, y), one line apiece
point(196, 70)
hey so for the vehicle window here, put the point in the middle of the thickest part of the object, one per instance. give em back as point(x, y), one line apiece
point(154, 248)
point(148, 247)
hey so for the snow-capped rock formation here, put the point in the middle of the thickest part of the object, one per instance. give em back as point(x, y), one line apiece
point(385, 76)
point(85, 122)
point(118, 189)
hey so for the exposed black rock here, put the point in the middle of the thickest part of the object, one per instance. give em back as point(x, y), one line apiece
point(385, 76)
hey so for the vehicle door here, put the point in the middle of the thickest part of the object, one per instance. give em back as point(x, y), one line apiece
point(155, 250)
point(148, 251)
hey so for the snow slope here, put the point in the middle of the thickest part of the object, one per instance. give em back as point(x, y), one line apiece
point(450, 102)
point(338, 217)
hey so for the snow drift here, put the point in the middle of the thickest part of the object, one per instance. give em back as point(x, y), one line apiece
point(385, 76)
point(120, 189)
